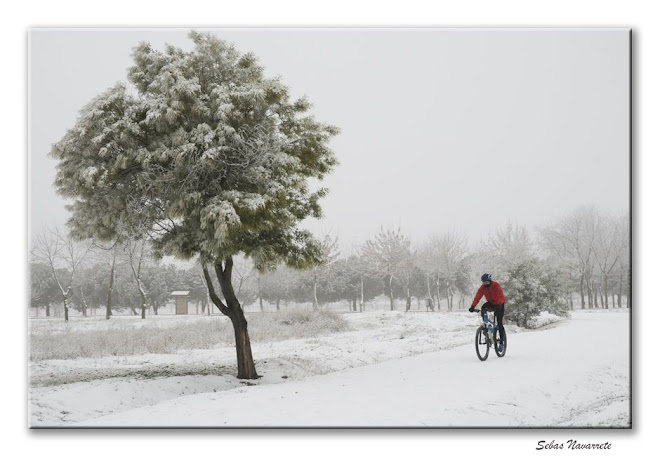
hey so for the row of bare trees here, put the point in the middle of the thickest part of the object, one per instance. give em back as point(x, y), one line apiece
point(585, 253)
point(593, 247)
point(588, 250)
point(88, 276)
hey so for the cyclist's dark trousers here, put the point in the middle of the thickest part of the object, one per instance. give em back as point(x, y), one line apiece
point(499, 315)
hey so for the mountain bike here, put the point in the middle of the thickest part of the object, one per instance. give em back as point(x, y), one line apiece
point(488, 334)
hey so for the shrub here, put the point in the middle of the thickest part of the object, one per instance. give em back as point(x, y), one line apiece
point(531, 289)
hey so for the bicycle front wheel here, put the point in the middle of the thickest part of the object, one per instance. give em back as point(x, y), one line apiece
point(481, 344)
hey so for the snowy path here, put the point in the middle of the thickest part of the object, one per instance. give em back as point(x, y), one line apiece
point(575, 374)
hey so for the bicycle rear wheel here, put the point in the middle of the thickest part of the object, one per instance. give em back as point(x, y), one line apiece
point(499, 340)
point(481, 344)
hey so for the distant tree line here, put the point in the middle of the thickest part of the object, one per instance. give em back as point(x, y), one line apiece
point(580, 261)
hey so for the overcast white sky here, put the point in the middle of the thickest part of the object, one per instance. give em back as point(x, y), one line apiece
point(442, 129)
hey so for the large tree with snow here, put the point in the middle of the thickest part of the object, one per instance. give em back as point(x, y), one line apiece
point(207, 157)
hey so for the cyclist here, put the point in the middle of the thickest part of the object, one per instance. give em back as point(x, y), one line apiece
point(493, 292)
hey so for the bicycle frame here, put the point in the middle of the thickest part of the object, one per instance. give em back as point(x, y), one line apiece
point(490, 322)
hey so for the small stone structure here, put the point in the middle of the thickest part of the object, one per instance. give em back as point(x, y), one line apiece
point(181, 301)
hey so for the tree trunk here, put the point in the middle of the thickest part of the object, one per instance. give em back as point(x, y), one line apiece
point(594, 293)
point(448, 296)
point(582, 290)
point(315, 303)
point(408, 297)
point(428, 287)
point(391, 294)
point(84, 302)
point(48, 309)
point(246, 368)
point(277, 304)
point(233, 310)
point(66, 305)
point(361, 292)
point(143, 304)
point(108, 306)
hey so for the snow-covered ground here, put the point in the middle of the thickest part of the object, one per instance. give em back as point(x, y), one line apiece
point(389, 369)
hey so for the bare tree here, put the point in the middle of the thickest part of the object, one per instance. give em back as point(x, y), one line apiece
point(137, 252)
point(442, 258)
point(54, 249)
point(406, 269)
point(508, 247)
point(610, 246)
point(329, 255)
point(388, 253)
point(573, 239)
point(107, 254)
point(360, 266)
point(244, 278)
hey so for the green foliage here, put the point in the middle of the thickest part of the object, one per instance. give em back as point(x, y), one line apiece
point(211, 158)
point(532, 287)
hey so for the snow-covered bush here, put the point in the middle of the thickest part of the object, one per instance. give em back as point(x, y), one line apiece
point(531, 288)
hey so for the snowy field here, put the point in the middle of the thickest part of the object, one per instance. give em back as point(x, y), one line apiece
point(377, 368)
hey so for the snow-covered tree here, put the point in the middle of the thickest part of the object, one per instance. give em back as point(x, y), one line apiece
point(390, 254)
point(158, 281)
point(44, 290)
point(137, 253)
point(245, 278)
point(193, 278)
point(444, 259)
point(364, 284)
point(319, 270)
point(207, 157)
point(107, 253)
point(532, 287)
point(55, 249)
point(508, 247)
point(610, 248)
point(572, 239)
point(280, 285)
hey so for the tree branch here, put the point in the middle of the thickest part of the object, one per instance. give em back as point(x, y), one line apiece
point(214, 297)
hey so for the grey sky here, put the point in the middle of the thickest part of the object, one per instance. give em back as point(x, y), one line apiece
point(442, 129)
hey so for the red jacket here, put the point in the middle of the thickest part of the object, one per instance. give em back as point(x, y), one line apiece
point(493, 294)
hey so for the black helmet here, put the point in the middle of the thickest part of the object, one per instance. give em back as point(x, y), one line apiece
point(486, 277)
